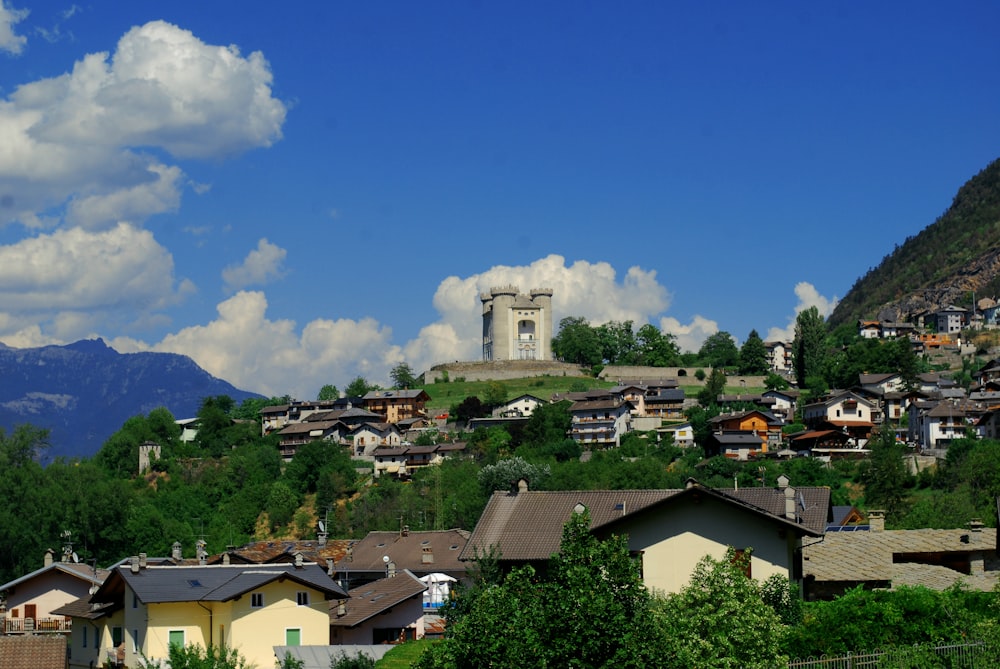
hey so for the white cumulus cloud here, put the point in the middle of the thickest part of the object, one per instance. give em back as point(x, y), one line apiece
point(259, 267)
point(808, 297)
point(689, 337)
point(254, 353)
point(73, 281)
point(79, 140)
point(10, 41)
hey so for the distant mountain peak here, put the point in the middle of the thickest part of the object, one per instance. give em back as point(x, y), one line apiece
point(85, 391)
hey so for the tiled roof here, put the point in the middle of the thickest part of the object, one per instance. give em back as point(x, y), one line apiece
point(81, 571)
point(407, 551)
point(263, 552)
point(33, 652)
point(307, 427)
point(812, 504)
point(377, 597)
point(869, 556)
point(527, 525)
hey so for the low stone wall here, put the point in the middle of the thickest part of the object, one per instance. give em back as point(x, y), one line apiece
point(501, 370)
point(685, 376)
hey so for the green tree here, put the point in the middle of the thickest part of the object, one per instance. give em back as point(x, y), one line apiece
point(494, 395)
point(588, 609)
point(327, 393)
point(507, 472)
point(193, 656)
point(577, 342)
point(775, 381)
point(714, 387)
point(753, 355)
point(719, 350)
point(618, 342)
point(359, 387)
point(809, 347)
point(720, 619)
point(656, 348)
point(884, 474)
point(402, 376)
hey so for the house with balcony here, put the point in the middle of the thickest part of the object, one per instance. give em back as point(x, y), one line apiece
point(294, 435)
point(950, 319)
point(935, 424)
point(779, 356)
point(142, 609)
point(30, 601)
point(600, 423)
point(367, 437)
point(277, 416)
point(402, 461)
point(745, 434)
point(844, 410)
point(665, 403)
point(397, 405)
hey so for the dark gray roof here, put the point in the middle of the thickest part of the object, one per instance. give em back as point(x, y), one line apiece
point(216, 583)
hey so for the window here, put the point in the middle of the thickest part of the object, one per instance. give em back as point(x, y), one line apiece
point(302, 598)
point(117, 636)
point(135, 601)
point(135, 641)
point(741, 556)
point(257, 600)
point(175, 638)
point(83, 639)
point(293, 636)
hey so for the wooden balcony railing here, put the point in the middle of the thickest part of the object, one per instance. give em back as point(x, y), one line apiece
point(36, 625)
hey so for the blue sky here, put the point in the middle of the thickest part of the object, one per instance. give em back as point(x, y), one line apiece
point(294, 198)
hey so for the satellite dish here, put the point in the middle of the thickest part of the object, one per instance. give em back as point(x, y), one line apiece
point(385, 559)
point(75, 557)
point(322, 526)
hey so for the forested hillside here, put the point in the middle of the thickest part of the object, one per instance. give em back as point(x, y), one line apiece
point(954, 257)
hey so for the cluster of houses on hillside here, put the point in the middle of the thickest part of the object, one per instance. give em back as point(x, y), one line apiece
point(319, 599)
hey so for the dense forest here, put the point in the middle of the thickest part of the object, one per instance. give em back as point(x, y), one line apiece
point(937, 258)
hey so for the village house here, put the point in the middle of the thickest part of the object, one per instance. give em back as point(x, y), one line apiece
point(600, 423)
point(874, 557)
point(845, 410)
point(422, 553)
point(668, 531)
point(746, 434)
point(519, 407)
point(397, 405)
point(141, 610)
point(367, 437)
point(402, 461)
point(388, 610)
point(30, 601)
point(779, 356)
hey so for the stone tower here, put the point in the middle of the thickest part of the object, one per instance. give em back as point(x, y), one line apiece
point(517, 326)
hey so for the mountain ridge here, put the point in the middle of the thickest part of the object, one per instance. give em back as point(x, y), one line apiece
point(83, 392)
point(952, 260)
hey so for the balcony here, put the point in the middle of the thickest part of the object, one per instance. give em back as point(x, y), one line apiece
point(36, 625)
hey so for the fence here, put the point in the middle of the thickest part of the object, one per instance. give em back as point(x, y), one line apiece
point(973, 655)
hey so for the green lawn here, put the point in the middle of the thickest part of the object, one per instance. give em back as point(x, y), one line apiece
point(404, 655)
point(445, 395)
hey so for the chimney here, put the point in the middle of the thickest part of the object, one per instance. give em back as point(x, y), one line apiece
point(225, 559)
point(49, 558)
point(175, 551)
point(142, 560)
point(330, 571)
point(790, 503)
point(876, 520)
point(321, 539)
point(427, 555)
point(199, 549)
point(405, 531)
point(134, 564)
point(342, 608)
point(298, 559)
point(390, 569)
point(522, 485)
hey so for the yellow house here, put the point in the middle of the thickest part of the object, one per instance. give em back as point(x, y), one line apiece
point(141, 610)
point(669, 531)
